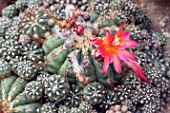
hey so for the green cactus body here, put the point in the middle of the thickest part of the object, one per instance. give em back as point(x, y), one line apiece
point(34, 90)
point(34, 23)
point(75, 110)
point(57, 56)
point(26, 70)
point(105, 79)
point(74, 97)
point(32, 51)
point(94, 93)
point(21, 4)
point(9, 11)
point(32, 3)
point(10, 49)
point(47, 108)
point(57, 10)
point(4, 24)
point(14, 63)
point(42, 77)
point(67, 70)
point(85, 107)
point(111, 98)
point(93, 17)
point(1, 42)
point(5, 68)
point(13, 97)
point(64, 109)
point(12, 32)
point(56, 87)
point(50, 43)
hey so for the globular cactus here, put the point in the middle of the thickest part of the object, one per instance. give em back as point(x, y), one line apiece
point(74, 97)
point(5, 68)
point(42, 77)
point(26, 70)
point(47, 108)
point(34, 22)
point(110, 99)
point(63, 109)
point(56, 87)
point(21, 5)
point(32, 51)
point(94, 93)
point(10, 49)
point(85, 107)
point(12, 32)
point(10, 11)
point(34, 90)
point(5, 22)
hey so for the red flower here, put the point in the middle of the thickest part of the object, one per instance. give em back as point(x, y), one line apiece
point(113, 49)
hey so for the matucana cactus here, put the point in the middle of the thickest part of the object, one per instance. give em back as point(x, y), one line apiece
point(57, 56)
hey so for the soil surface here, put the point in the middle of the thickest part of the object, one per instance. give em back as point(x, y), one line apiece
point(159, 13)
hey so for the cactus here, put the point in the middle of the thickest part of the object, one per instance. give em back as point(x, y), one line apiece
point(10, 49)
point(21, 4)
point(31, 24)
point(9, 11)
point(94, 93)
point(26, 70)
point(63, 109)
point(110, 99)
point(56, 87)
point(47, 108)
point(4, 24)
point(12, 98)
point(74, 97)
point(5, 68)
point(85, 107)
point(32, 51)
point(12, 32)
point(47, 55)
point(34, 90)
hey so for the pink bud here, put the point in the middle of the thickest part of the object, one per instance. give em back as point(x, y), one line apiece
point(79, 30)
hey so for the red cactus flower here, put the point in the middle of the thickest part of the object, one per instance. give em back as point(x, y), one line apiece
point(113, 49)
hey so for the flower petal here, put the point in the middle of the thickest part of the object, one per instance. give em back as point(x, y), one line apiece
point(121, 55)
point(129, 55)
point(97, 42)
point(121, 28)
point(116, 63)
point(105, 64)
point(108, 36)
point(137, 69)
point(125, 35)
point(129, 43)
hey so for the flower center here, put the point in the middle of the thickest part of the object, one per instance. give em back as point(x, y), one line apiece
point(116, 41)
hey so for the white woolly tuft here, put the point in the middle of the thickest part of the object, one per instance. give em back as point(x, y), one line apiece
point(68, 10)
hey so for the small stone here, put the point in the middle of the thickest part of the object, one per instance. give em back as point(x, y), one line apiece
point(118, 112)
point(124, 108)
point(84, 1)
point(109, 111)
point(112, 107)
point(117, 108)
